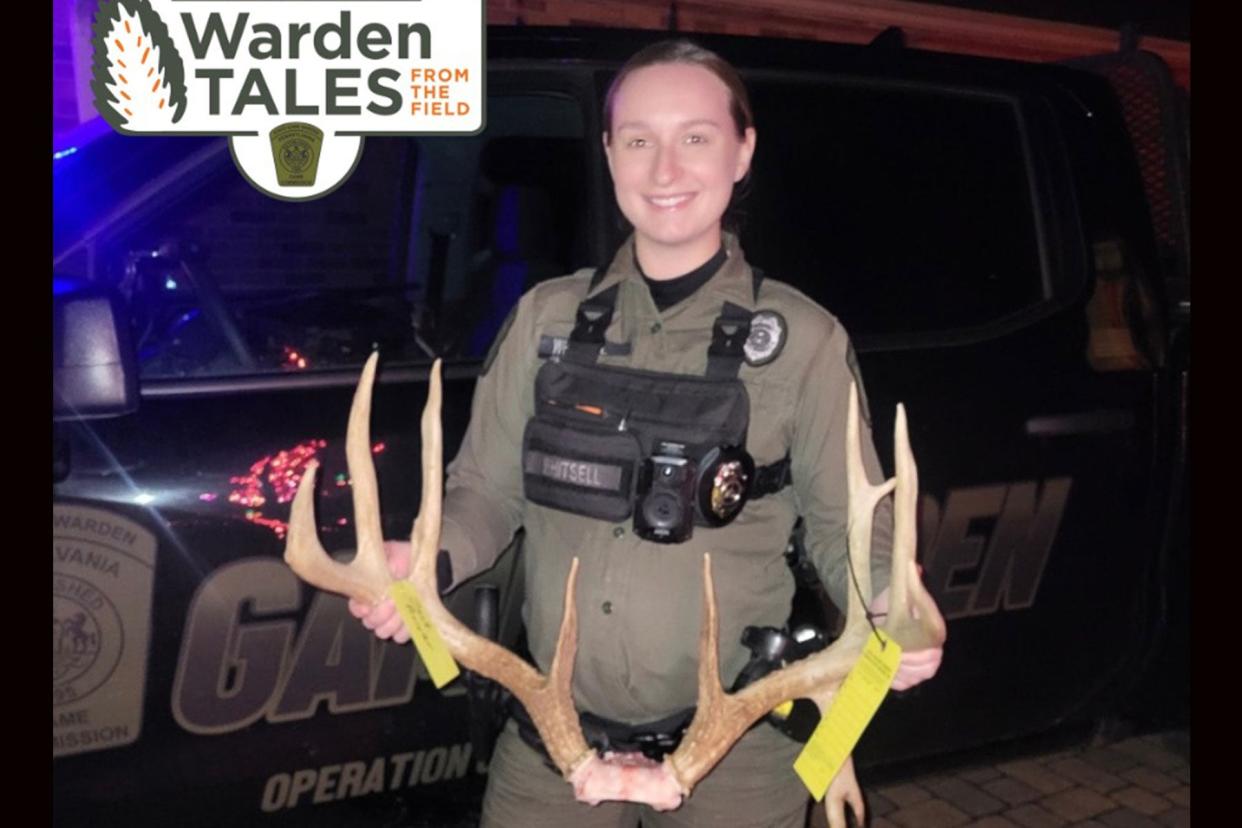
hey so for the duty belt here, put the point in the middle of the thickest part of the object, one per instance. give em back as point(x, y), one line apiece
point(652, 739)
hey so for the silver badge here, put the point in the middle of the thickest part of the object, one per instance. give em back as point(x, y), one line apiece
point(767, 337)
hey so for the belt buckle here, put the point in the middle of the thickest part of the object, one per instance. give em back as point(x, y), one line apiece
point(656, 745)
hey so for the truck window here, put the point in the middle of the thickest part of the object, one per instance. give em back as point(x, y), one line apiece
point(421, 253)
point(903, 210)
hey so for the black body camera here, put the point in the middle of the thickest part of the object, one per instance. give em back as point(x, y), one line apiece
point(665, 512)
point(675, 491)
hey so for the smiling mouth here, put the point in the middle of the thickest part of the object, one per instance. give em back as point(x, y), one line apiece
point(671, 202)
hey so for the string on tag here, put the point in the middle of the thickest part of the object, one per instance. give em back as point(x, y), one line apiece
point(866, 610)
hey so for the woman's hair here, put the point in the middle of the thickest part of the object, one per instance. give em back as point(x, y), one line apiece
point(683, 51)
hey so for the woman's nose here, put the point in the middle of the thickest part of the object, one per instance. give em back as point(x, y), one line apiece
point(667, 166)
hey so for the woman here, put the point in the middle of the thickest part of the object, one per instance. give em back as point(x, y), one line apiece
point(679, 137)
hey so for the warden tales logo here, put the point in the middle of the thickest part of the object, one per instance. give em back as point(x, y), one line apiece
point(295, 86)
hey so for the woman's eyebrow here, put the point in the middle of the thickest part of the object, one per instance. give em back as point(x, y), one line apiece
point(700, 122)
point(682, 125)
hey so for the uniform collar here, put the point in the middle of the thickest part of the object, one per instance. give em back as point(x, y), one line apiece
point(734, 281)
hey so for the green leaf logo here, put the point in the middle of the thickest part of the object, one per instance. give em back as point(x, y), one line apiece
point(138, 77)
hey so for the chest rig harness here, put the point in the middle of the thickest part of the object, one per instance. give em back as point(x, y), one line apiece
point(668, 450)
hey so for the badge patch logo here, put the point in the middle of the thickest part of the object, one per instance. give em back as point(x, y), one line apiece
point(767, 337)
point(295, 151)
point(103, 568)
point(294, 86)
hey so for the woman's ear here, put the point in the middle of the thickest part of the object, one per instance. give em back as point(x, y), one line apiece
point(746, 151)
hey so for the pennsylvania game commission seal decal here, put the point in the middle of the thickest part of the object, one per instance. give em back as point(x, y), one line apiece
point(87, 639)
point(103, 567)
point(295, 149)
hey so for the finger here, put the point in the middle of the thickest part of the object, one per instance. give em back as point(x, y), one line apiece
point(380, 614)
point(398, 553)
point(359, 609)
point(834, 807)
point(905, 681)
point(907, 668)
point(390, 628)
point(923, 656)
point(855, 799)
point(924, 667)
point(907, 678)
point(922, 672)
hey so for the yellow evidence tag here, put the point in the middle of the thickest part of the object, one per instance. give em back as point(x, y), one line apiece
point(843, 725)
point(431, 649)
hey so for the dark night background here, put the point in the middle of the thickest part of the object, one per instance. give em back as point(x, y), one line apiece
point(1157, 18)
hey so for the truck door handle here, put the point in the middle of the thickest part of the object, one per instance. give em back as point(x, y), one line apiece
point(1100, 421)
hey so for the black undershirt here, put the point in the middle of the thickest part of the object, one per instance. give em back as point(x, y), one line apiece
point(668, 292)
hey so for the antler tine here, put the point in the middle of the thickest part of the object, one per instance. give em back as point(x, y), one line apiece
point(722, 718)
point(863, 498)
point(425, 537)
point(548, 700)
point(361, 463)
point(914, 621)
point(366, 577)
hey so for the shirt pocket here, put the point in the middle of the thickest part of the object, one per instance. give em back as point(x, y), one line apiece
point(770, 433)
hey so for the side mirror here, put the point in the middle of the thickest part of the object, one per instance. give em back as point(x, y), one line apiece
point(94, 369)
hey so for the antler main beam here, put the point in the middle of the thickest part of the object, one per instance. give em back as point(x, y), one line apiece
point(548, 698)
point(721, 718)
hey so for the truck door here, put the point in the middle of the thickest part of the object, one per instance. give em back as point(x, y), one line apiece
point(944, 213)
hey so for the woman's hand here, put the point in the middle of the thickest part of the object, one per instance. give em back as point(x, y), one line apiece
point(383, 617)
point(916, 666)
point(844, 791)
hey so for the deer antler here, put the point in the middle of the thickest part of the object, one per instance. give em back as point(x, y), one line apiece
point(721, 718)
point(547, 698)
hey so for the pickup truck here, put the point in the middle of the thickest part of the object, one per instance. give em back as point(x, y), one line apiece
point(1006, 242)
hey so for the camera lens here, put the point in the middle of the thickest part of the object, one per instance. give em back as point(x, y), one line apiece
point(662, 510)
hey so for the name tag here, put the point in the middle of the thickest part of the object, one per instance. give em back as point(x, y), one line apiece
point(601, 476)
point(554, 347)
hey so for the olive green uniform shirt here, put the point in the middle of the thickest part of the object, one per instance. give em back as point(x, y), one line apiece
point(639, 603)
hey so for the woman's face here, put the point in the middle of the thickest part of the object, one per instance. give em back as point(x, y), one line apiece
point(675, 155)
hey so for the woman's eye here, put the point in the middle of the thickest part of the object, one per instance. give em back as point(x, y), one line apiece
point(696, 139)
point(637, 142)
